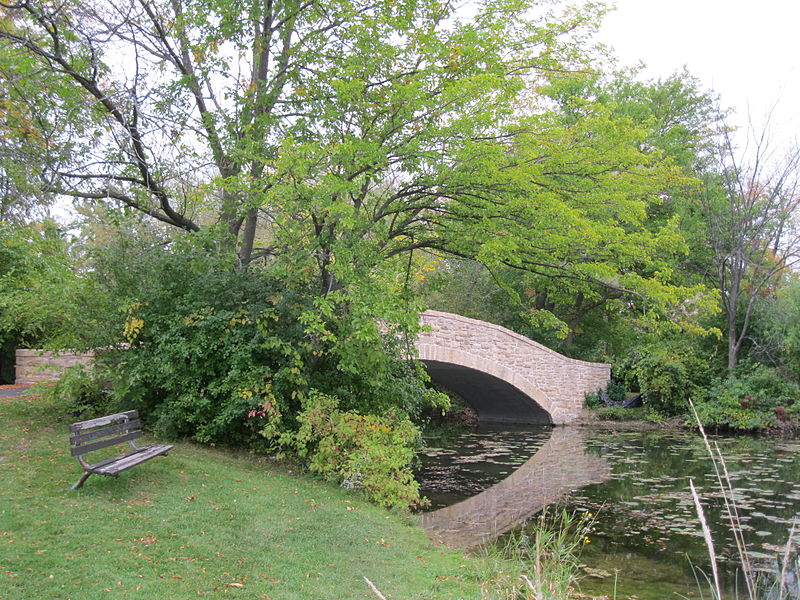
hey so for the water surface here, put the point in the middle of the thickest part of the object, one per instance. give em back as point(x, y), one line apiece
point(646, 542)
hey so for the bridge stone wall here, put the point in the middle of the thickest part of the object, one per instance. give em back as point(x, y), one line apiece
point(555, 382)
point(37, 365)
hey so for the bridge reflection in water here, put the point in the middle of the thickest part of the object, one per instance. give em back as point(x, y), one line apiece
point(562, 465)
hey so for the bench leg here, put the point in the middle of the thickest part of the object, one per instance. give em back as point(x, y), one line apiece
point(80, 481)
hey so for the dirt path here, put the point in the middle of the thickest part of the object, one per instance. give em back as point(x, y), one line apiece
point(13, 391)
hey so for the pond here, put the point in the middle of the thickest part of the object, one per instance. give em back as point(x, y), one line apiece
point(646, 541)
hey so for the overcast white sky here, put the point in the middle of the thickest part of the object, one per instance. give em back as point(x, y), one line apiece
point(747, 51)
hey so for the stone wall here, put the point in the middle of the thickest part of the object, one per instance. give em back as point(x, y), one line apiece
point(555, 382)
point(37, 365)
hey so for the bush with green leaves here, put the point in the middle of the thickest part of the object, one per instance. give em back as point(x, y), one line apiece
point(78, 393)
point(592, 400)
point(37, 278)
point(615, 390)
point(208, 352)
point(668, 372)
point(197, 347)
point(369, 452)
point(756, 398)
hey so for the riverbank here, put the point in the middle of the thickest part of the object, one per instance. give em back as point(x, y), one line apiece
point(616, 420)
point(199, 523)
point(632, 424)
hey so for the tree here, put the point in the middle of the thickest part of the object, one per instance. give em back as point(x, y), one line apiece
point(331, 138)
point(774, 336)
point(26, 132)
point(749, 206)
point(604, 179)
point(328, 142)
point(36, 281)
point(279, 113)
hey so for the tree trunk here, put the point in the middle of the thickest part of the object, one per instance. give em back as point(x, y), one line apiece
point(573, 323)
point(733, 349)
point(248, 238)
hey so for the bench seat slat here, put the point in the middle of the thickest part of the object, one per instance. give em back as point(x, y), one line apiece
point(113, 441)
point(130, 459)
point(107, 420)
point(112, 459)
point(80, 438)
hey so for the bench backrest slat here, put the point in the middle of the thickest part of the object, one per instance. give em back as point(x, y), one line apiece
point(105, 443)
point(103, 432)
point(101, 421)
point(78, 439)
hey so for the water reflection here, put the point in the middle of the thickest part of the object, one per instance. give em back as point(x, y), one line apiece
point(647, 538)
point(647, 513)
point(559, 466)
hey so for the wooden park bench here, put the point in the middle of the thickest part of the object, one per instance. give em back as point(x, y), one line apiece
point(104, 432)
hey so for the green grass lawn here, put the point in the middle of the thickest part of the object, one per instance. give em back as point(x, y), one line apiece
point(201, 522)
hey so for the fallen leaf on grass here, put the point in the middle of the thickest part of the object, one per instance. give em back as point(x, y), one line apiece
point(234, 585)
point(146, 540)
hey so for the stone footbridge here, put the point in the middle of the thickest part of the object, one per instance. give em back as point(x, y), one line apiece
point(504, 376)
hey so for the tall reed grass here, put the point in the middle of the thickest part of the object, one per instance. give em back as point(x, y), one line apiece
point(780, 584)
point(540, 563)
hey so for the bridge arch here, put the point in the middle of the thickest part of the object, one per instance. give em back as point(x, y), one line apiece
point(495, 392)
point(505, 376)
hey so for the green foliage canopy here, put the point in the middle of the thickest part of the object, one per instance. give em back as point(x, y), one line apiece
point(328, 139)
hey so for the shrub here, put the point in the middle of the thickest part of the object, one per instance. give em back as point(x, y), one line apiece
point(592, 400)
point(756, 398)
point(78, 394)
point(668, 373)
point(369, 452)
point(615, 390)
point(202, 352)
point(223, 356)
